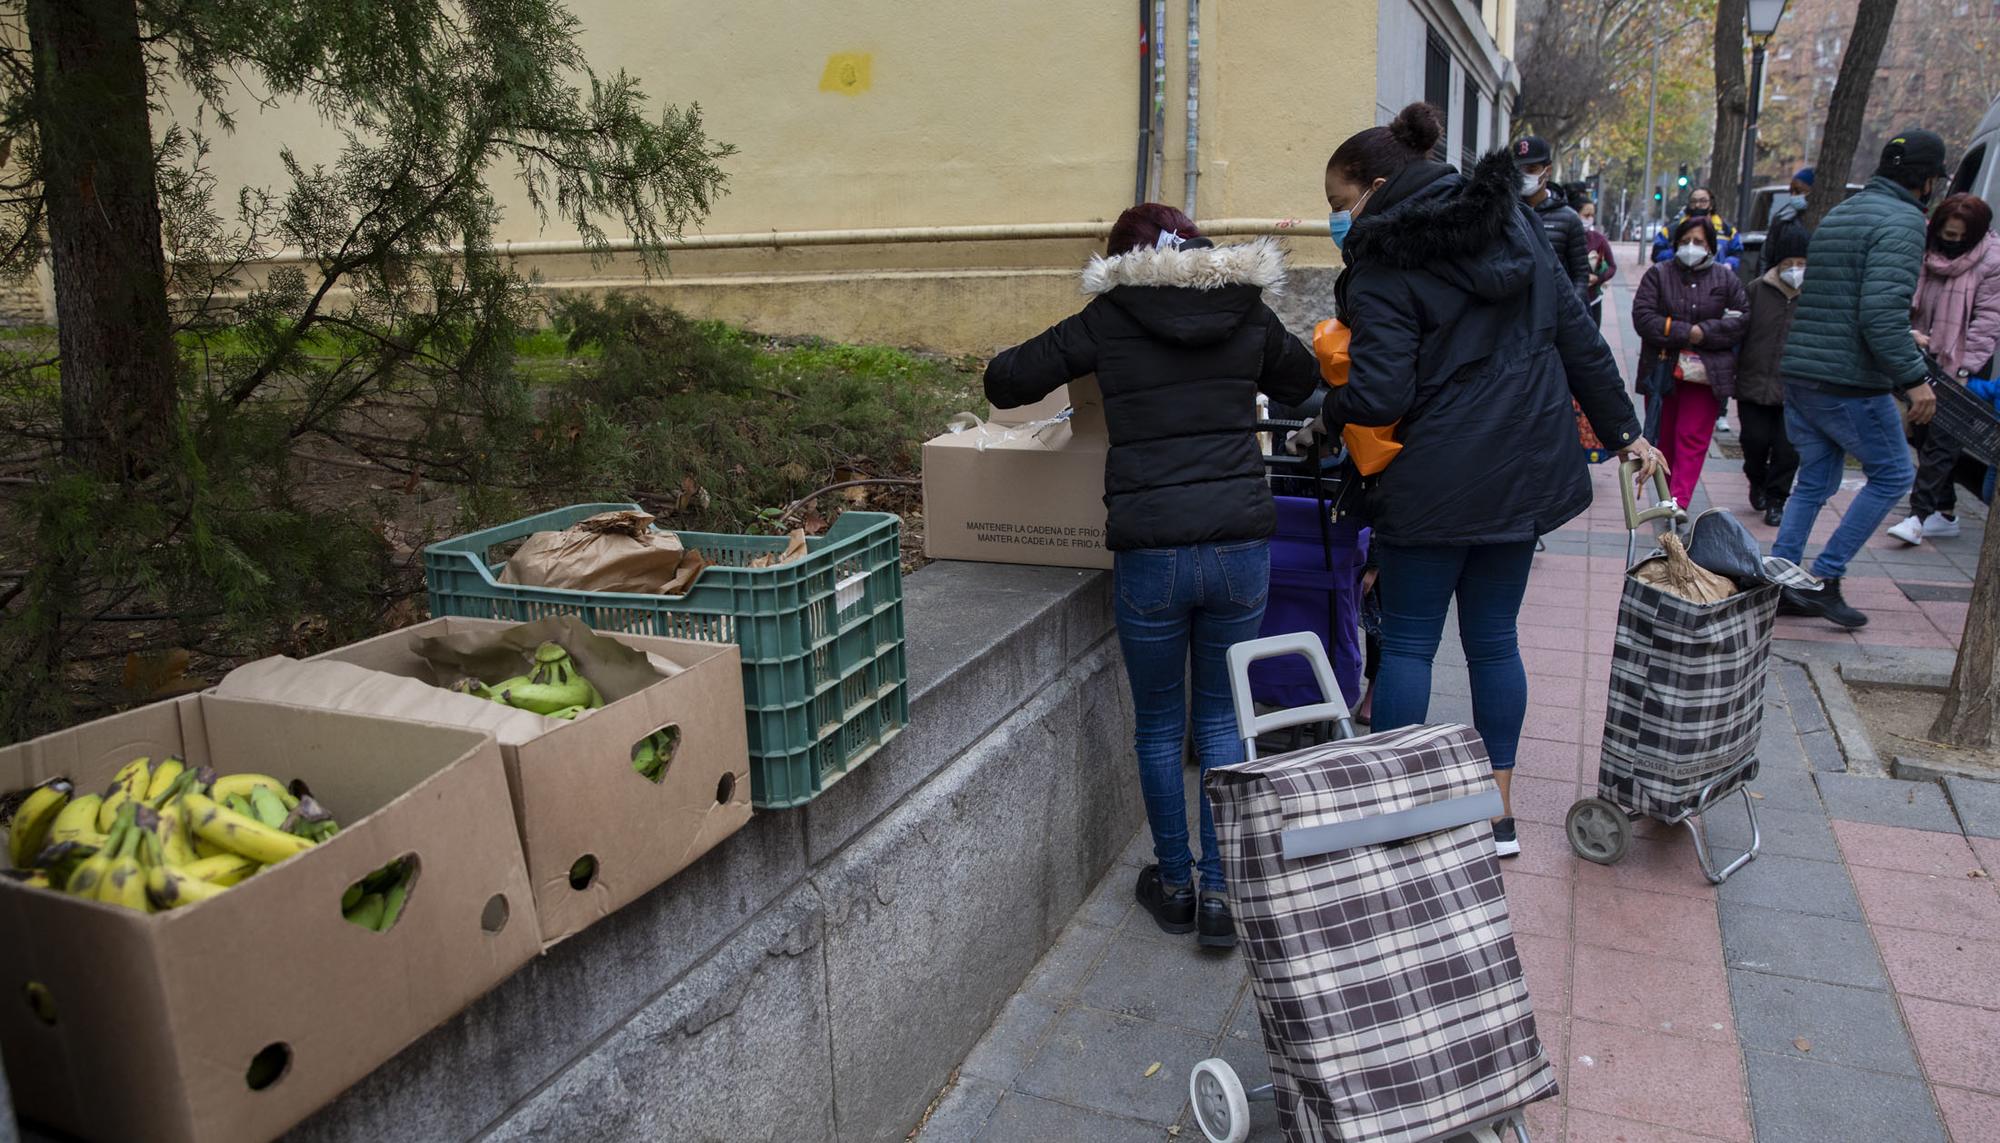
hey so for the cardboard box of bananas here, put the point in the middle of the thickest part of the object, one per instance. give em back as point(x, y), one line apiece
point(161, 835)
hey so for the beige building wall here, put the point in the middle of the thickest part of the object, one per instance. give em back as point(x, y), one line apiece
point(914, 113)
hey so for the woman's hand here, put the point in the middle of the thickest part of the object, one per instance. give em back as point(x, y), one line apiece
point(1922, 339)
point(1648, 458)
point(1694, 335)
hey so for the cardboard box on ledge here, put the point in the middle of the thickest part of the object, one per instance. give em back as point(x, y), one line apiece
point(1023, 488)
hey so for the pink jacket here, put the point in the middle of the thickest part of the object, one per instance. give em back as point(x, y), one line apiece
point(1958, 305)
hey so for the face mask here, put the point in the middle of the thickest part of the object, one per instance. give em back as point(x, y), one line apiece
point(1694, 211)
point(1951, 249)
point(1691, 255)
point(1798, 201)
point(1338, 224)
point(1792, 276)
point(1589, 222)
point(1530, 184)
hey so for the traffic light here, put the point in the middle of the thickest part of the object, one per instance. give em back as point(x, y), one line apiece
point(1659, 195)
point(1682, 182)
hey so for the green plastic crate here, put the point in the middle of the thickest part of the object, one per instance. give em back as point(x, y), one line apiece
point(825, 682)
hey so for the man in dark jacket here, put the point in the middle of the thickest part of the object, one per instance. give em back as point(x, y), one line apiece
point(1563, 226)
point(1847, 357)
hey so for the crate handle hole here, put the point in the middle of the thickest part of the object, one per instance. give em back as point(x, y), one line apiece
point(493, 917)
point(653, 754)
point(725, 788)
point(41, 1002)
point(583, 871)
point(268, 1066)
point(378, 901)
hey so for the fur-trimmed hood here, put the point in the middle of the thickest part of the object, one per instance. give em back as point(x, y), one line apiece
point(1197, 294)
point(1465, 229)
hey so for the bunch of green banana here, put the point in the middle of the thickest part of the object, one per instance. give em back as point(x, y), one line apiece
point(377, 900)
point(654, 751)
point(173, 836)
point(553, 686)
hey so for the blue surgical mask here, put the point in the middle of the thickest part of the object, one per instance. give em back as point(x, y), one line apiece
point(1338, 224)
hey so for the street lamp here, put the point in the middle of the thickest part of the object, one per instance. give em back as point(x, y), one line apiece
point(1764, 17)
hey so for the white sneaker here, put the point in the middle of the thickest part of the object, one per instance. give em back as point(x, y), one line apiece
point(1940, 525)
point(1722, 425)
point(1910, 531)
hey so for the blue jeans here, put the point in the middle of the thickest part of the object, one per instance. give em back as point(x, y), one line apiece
point(1417, 585)
point(1826, 429)
point(1210, 596)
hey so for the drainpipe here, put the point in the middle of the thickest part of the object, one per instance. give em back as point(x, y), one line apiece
point(1193, 102)
point(1144, 166)
point(1159, 119)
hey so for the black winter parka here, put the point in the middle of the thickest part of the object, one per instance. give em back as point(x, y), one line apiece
point(1468, 332)
point(1181, 343)
point(1569, 237)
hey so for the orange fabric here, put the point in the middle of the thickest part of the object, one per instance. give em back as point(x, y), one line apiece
point(1371, 448)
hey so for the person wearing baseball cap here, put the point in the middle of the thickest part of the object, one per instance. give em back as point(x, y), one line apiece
point(1563, 227)
point(1850, 364)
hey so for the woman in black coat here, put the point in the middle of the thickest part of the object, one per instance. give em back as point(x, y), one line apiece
point(1181, 341)
point(1468, 335)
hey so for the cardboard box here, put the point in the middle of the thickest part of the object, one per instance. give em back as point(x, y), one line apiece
point(1082, 395)
point(1021, 495)
point(574, 790)
point(157, 1017)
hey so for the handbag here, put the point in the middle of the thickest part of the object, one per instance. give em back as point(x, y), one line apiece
point(1690, 368)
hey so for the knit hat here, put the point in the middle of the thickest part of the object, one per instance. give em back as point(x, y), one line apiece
point(1804, 175)
point(1789, 240)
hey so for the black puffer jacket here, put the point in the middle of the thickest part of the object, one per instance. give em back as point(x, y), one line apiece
point(1569, 236)
point(1468, 331)
point(1181, 342)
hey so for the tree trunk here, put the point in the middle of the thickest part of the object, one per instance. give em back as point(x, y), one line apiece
point(118, 368)
point(1732, 107)
point(1971, 714)
point(1849, 106)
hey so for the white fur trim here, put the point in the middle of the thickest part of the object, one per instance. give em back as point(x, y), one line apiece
point(1259, 263)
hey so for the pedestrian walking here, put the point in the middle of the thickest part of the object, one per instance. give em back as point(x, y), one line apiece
point(1769, 460)
point(1849, 357)
point(1468, 331)
point(1563, 226)
point(1957, 318)
point(1689, 314)
point(1603, 265)
point(1700, 204)
point(1182, 342)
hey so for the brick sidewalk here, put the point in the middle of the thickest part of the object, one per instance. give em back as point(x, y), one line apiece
point(1845, 985)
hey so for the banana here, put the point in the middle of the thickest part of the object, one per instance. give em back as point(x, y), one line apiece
point(176, 845)
point(270, 808)
point(78, 821)
point(172, 888)
point(241, 804)
point(125, 881)
point(596, 698)
point(392, 902)
point(205, 849)
point(239, 834)
point(129, 784)
point(164, 776)
point(495, 690)
point(568, 712)
point(224, 870)
point(368, 913)
point(350, 898)
point(29, 829)
point(38, 880)
point(59, 862)
point(88, 877)
point(543, 698)
point(243, 784)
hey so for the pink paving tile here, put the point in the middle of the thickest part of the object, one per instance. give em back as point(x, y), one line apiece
point(1553, 726)
point(1542, 661)
point(1684, 998)
point(1544, 852)
point(1555, 691)
point(1960, 905)
point(1987, 849)
point(1545, 964)
point(1950, 616)
point(1969, 1116)
point(1540, 758)
point(1940, 966)
point(1590, 1127)
point(1656, 924)
point(1664, 865)
point(1910, 850)
point(1545, 1119)
point(1546, 615)
point(1959, 1046)
point(1552, 1030)
point(1538, 905)
point(1653, 1077)
point(1909, 635)
point(1811, 631)
point(1543, 799)
point(1552, 638)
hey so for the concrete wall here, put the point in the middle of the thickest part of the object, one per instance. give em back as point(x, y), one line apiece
point(819, 975)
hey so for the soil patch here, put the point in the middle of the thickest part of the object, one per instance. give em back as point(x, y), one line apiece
point(1899, 721)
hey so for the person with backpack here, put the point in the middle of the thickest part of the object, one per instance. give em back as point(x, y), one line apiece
point(1769, 460)
point(1181, 341)
point(1469, 335)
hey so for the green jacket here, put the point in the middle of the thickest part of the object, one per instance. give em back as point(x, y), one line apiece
point(1851, 330)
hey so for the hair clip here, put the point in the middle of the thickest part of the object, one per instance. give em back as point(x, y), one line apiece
point(1168, 240)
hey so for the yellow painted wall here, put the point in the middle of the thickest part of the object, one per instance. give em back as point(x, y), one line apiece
point(887, 113)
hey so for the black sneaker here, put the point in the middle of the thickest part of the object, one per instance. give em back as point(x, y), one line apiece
point(1505, 842)
point(1757, 500)
point(1172, 907)
point(1825, 603)
point(1218, 927)
point(1774, 515)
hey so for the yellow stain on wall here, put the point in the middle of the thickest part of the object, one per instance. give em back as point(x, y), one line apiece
point(847, 73)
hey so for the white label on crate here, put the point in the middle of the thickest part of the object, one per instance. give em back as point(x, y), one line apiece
point(849, 591)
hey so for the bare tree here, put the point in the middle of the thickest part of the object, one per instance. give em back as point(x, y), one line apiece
point(1849, 105)
point(1571, 51)
point(1971, 713)
point(1732, 106)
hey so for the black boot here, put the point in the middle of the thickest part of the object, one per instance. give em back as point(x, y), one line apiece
point(1774, 513)
point(1758, 502)
point(1172, 907)
point(1825, 603)
point(1218, 928)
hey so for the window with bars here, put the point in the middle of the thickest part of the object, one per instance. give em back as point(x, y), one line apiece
point(1437, 83)
point(1468, 145)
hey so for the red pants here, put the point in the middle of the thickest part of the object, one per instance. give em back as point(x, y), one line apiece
point(1687, 424)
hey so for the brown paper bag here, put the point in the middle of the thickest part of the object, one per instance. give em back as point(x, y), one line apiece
point(795, 549)
point(616, 670)
point(1676, 574)
point(611, 551)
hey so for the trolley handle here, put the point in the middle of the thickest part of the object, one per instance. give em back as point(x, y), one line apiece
point(1665, 509)
point(1251, 725)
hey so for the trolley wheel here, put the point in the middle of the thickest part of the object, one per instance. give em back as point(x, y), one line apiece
point(1599, 831)
point(1221, 1107)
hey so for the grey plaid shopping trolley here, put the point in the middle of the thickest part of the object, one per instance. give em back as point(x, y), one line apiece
point(1372, 916)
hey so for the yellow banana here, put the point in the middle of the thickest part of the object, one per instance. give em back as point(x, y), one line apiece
point(37, 880)
point(29, 830)
point(239, 834)
point(163, 777)
point(242, 784)
point(129, 784)
point(223, 870)
point(204, 848)
point(125, 882)
point(78, 821)
point(176, 847)
point(172, 888)
point(88, 876)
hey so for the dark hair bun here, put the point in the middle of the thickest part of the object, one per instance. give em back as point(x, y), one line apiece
point(1417, 127)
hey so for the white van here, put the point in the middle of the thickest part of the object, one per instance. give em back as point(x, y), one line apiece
point(1979, 170)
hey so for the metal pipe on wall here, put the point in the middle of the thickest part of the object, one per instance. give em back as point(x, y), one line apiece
point(1143, 168)
point(1193, 103)
point(1159, 120)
